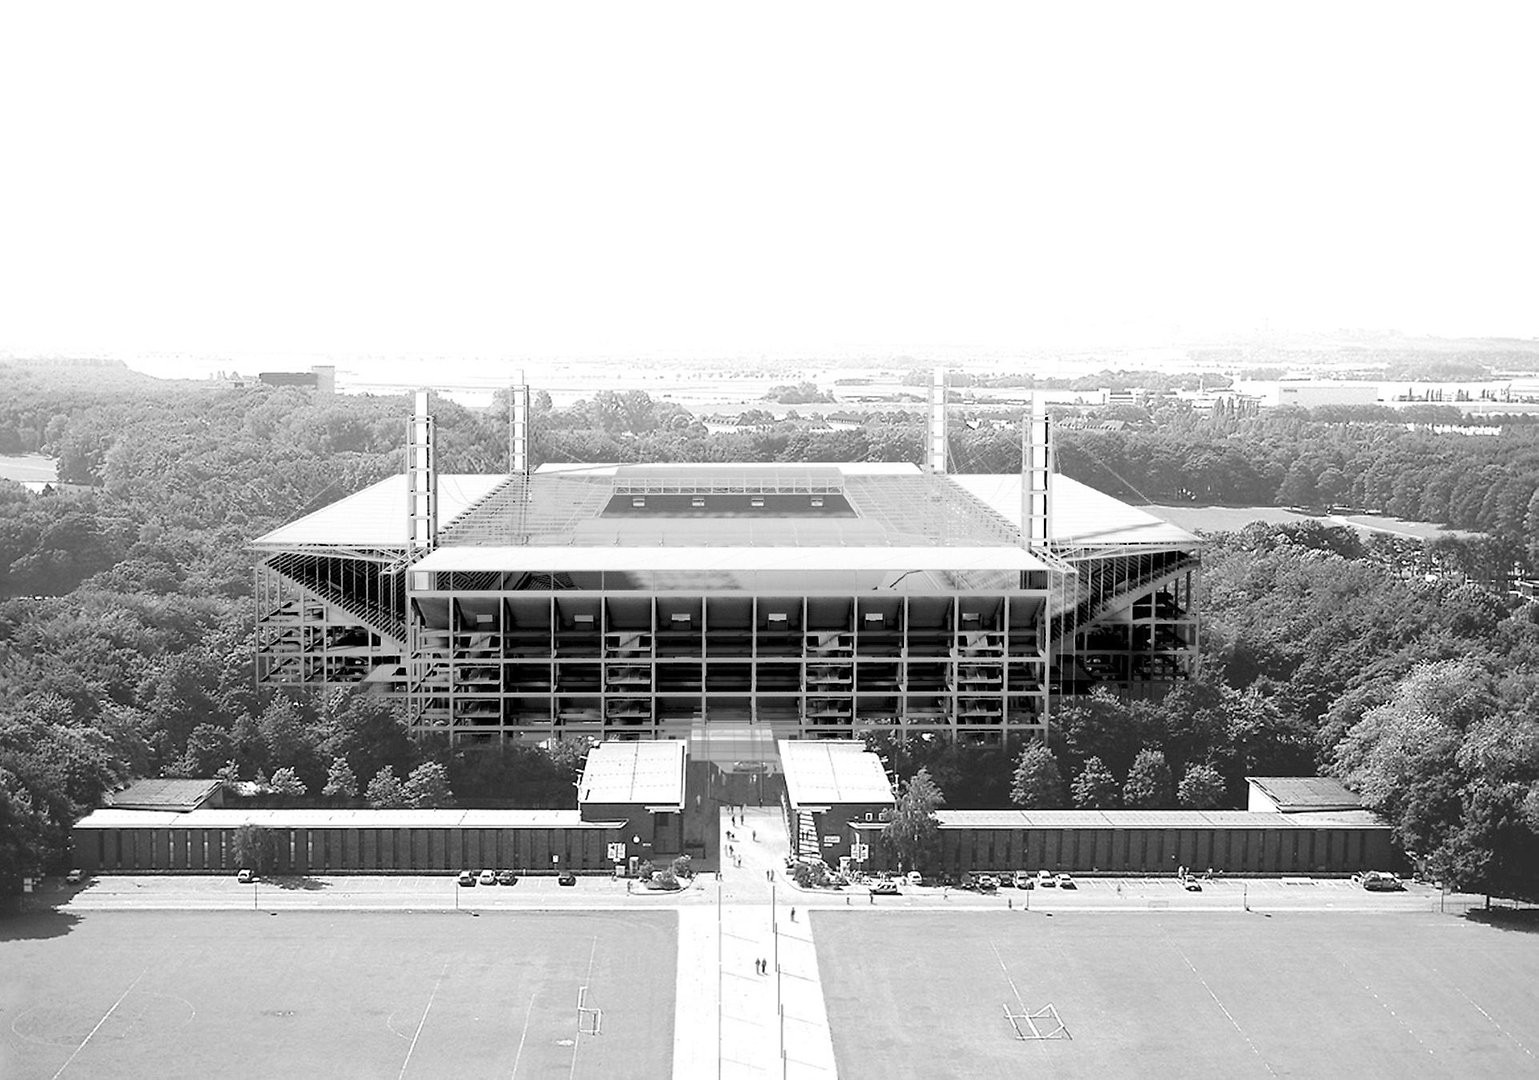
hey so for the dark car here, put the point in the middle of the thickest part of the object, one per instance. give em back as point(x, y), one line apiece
point(507, 877)
point(467, 878)
point(567, 878)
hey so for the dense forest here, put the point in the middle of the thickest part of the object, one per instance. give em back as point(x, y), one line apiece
point(125, 615)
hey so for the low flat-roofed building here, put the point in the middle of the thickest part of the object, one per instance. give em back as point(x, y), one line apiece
point(642, 785)
point(830, 784)
point(1155, 841)
point(1292, 794)
point(330, 841)
point(168, 794)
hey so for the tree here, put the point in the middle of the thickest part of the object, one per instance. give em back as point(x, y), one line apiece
point(286, 781)
point(913, 830)
point(385, 791)
point(255, 848)
point(1095, 788)
point(1038, 784)
point(340, 781)
point(1202, 788)
point(428, 786)
point(1150, 785)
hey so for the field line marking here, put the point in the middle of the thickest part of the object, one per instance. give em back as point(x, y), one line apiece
point(99, 1024)
point(1008, 979)
point(522, 1036)
point(1227, 1015)
point(1494, 1024)
point(418, 1033)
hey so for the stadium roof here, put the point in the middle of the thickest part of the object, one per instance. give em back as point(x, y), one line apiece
point(1082, 516)
point(376, 516)
point(648, 773)
point(826, 772)
point(1294, 793)
point(894, 504)
point(325, 818)
point(554, 559)
point(161, 794)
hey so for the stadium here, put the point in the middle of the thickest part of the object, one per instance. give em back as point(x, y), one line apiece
point(728, 604)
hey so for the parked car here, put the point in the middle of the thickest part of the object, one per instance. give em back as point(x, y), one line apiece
point(507, 877)
point(1066, 882)
point(488, 877)
point(1379, 881)
point(885, 888)
point(467, 878)
point(245, 876)
point(74, 877)
point(988, 883)
point(915, 877)
point(1045, 879)
point(1023, 879)
point(567, 878)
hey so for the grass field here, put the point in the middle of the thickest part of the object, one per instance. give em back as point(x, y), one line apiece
point(191, 994)
point(1181, 995)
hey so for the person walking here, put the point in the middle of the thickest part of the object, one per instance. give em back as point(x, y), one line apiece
point(793, 914)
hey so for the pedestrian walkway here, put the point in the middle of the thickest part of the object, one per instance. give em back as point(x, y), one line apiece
point(759, 1011)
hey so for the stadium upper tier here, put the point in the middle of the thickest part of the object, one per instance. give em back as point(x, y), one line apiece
point(817, 509)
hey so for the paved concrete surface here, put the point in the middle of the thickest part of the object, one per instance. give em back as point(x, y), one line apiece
point(748, 971)
point(439, 892)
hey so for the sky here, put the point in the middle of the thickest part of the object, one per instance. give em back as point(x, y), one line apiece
point(528, 183)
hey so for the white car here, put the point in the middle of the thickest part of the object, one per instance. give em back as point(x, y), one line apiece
point(245, 877)
point(75, 877)
point(488, 877)
point(1045, 879)
point(1065, 882)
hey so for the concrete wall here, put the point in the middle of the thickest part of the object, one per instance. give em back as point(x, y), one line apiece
point(304, 851)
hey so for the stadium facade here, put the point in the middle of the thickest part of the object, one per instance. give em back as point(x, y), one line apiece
point(729, 604)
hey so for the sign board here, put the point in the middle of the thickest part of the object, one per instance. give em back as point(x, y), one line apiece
point(617, 852)
point(831, 841)
point(860, 852)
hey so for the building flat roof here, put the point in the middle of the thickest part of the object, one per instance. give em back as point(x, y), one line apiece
point(1154, 819)
point(326, 818)
point(1294, 793)
point(164, 794)
point(376, 516)
point(827, 772)
point(645, 773)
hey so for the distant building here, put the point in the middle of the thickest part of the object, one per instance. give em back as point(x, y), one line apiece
point(1309, 394)
point(1297, 794)
point(322, 378)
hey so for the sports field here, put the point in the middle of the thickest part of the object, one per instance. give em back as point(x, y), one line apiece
point(350, 994)
point(1206, 994)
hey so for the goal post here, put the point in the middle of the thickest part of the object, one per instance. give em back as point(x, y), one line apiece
point(590, 1018)
point(1034, 1024)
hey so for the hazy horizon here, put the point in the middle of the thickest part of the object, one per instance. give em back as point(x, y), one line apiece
point(528, 186)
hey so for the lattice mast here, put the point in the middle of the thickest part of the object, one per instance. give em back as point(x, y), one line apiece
point(1037, 478)
point(935, 459)
point(421, 478)
point(518, 429)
